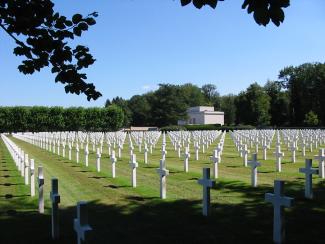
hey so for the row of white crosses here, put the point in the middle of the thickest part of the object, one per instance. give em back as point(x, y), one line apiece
point(133, 163)
point(21, 161)
point(81, 225)
point(276, 199)
point(25, 165)
point(201, 139)
point(245, 140)
point(291, 138)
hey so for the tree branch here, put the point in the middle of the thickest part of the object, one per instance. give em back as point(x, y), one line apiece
point(12, 36)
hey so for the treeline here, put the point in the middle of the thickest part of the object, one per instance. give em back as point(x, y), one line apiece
point(297, 98)
point(35, 119)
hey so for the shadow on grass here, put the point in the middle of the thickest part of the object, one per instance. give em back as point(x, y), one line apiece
point(12, 184)
point(97, 177)
point(151, 220)
point(233, 166)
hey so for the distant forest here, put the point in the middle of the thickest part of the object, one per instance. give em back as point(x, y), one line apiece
point(297, 98)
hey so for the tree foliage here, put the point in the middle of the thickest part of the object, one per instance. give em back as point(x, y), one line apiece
point(279, 103)
point(263, 11)
point(306, 88)
point(311, 119)
point(228, 106)
point(42, 37)
point(253, 106)
point(35, 119)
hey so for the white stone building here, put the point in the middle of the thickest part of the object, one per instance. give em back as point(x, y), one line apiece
point(203, 115)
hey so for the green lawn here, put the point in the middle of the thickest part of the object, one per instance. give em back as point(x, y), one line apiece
point(122, 214)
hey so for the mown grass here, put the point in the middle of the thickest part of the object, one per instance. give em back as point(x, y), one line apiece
point(122, 214)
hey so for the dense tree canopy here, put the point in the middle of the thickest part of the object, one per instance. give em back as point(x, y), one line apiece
point(306, 88)
point(253, 106)
point(43, 36)
point(296, 99)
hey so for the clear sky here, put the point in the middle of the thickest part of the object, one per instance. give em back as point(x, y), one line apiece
point(141, 43)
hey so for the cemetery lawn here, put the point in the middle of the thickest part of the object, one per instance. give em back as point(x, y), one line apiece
point(119, 213)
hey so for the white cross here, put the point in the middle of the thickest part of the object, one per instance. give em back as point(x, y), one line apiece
point(146, 153)
point(219, 149)
point(26, 168)
point(187, 156)
point(40, 189)
point(321, 158)
point(109, 148)
point(279, 201)
point(22, 163)
point(134, 165)
point(303, 147)
point(77, 153)
point(63, 149)
point(58, 151)
point(70, 147)
point(207, 183)
point(278, 154)
point(264, 146)
point(293, 149)
point(163, 152)
point(80, 224)
point(308, 171)
point(32, 178)
point(55, 199)
point(163, 172)
point(86, 155)
point(119, 150)
point(98, 155)
point(179, 149)
point(113, 160)
point(197, 148)
point(215, 160)
point(254, 164)
point(245, 153)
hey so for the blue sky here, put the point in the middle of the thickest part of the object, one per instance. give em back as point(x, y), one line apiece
point(141, 43)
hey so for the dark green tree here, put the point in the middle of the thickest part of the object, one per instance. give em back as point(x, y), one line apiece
point(191, 95)
point(140, 108)
point(112, 118)
point(229, 108)
point(279, 103)
point(211, 95)
point(56, 119)
point(74, 119)
point(38, 119)
point(4, 119)
point(253, 106)
point(18, 118)
point(93, 120)
point(311, 119)
point(123, 104)
point(306, 87)
point(168, 105)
